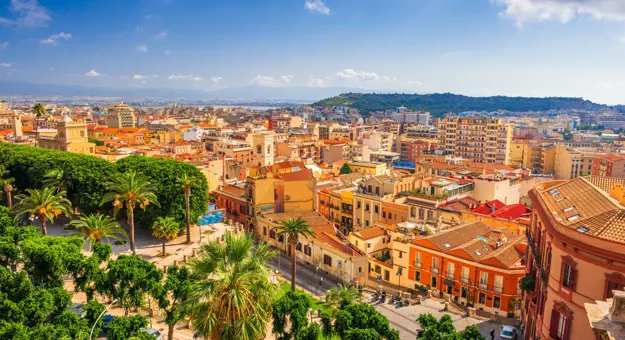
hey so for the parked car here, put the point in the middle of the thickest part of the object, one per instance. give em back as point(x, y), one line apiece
point(152, 331)
point(78, 309)
point(507, 333)
point(106, 320)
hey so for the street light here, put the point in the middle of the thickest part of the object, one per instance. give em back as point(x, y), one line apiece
point(104, 311)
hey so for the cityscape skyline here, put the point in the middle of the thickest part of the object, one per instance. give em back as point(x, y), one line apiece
point(477, 47)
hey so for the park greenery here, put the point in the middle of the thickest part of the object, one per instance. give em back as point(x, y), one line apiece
point(432, 329)
point(440, 103)
point(346, 169)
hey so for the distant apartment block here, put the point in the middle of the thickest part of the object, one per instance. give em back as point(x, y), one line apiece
point(121, 116)
point(481, 140)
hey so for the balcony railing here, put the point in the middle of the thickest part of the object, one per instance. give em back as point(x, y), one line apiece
point(498, 290)
point(434, 270)
point(417, 265)
point(464, 280)
point(449, 276)
point(483, 285)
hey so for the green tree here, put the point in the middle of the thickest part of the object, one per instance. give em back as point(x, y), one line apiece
point(342, 296)
point(48, 259)
point(232, 293)
point(361, 334)
point(346, 169)
point(88, 274)
point(186, 182)
point(44, 204)
point(125, 327)
point(313, 332)
point(326, 324)
point(472, 333)
point(432, 329)
point(175, 291)
point(97, 227)
point(57, 178)
point(93, 309)
point(165, 229)
point(130, 279)
point(294, 307)
point(342, 322)
point(292, 230)
point(126, 191)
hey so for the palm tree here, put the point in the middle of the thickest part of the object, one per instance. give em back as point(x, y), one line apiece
point(44, 204)
point(186, 182)
point(39, 111)
point(97, 227)
point(344, 295)
point(8, 188)
point(165, 229)
point(57, 178)
point(232, 290)
point(292, 229)
point(126, 191)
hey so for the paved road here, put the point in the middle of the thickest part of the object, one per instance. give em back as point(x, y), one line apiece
point(307, 276)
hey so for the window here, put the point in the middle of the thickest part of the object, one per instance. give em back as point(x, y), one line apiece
point(366, 223)
point(367, 208)
point(561, 317)
point(435, 263)
point(496, 302)
point(483, 278)
point(566, 275)
point(360, 269)
point(401, 253)
point(327, 260)
point(417, 260)
point(281, 238)
point(265, 231)
point(395, 217)
point(387, 275)
point(384, 214)
point(298, 247)
point(450, 269)
point(376, 209)
point(465, 274)
point(561, 327)
point(573, 218)
point(498, 283)
point(357, 204)
point(368, 245)
point(272, 234)
point(417, 276)
point(378, 269)
point(307, 250)
point(614, 281)
point(481, 298)
point(568, 272)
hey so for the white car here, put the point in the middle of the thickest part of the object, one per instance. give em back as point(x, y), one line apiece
point(507, 333)
point(152, 331)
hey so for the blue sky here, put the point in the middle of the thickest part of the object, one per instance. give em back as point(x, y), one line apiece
point(472, 47)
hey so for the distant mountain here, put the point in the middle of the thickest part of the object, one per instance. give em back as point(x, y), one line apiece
point(441, 103)
point(249, 93)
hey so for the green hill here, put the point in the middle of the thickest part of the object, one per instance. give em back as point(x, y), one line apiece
point(440, 103)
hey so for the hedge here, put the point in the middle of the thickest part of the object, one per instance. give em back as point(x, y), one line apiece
point(89, 174)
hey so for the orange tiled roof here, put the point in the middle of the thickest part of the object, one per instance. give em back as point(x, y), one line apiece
point(302, 175)
point(369, 233)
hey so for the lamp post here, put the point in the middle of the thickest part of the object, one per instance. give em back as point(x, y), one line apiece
point(104, 311)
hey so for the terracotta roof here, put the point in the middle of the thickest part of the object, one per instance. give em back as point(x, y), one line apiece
point(605, 183)
point(369, 233)
point(302, 175)
point(579, 205)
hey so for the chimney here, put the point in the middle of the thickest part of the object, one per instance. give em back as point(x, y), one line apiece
point(617, 309)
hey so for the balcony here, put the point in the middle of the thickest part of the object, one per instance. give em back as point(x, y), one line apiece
point(498, 290)
point(483, 285)
point(464, 280)
point(417, 265)
point(449, 276)
point(434, 270)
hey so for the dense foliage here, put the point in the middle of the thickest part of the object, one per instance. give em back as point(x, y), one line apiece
point(294, 307)
point(432, 329)
point(440, 103)
point(361, 321)
point(87, 177)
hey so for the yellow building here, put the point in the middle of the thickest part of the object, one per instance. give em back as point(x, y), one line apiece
point(540, 157)
point(121, 116)
point(572, 162)
point(480, 140)
point(71, 136)
point(369, 168)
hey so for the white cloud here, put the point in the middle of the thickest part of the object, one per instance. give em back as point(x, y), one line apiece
point(26, 13)
point(271, 81)
point(92, 73)
point(561, 10)
point(4, 45)
point(316, 82)
point(317, 6)
point(161, 34)
point(351, 74)
point(389, 79)
point(7, 65)
point(139, 77)
point(216, 80)
point(167, 52)
point(188, 77)
point(54, 38)
point(142, 48)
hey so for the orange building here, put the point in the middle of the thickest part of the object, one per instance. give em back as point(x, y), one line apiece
point(477, 265)
point(394, 212)
point(232, 198)
point(576, 256)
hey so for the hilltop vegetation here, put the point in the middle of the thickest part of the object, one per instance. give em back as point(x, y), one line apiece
point(440, 103)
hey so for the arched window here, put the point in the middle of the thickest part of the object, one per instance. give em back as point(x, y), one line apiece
point(272, 234)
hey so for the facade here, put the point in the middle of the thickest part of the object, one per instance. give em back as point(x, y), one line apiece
point(233, 200)
point(480, 140)
point(576, 255)
point(609, 165)
point(262, 147)
point(121, 116)
point(368, 168)
point(473, 263)
point(571, 162)
point(71, 137)
point(411, 149)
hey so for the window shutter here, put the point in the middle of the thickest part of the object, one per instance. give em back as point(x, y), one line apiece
point(553, 327)
point(567, 329)
point(573, 279)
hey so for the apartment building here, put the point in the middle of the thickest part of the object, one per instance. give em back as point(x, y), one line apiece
point(237, 150)
point(480, 140)
point(576, 254)
point(379, 141)
point(411, 149)
point(475, 264)
point(369, 168)
point(121, 116)
point(422, 131)
point(572, 162)
point(608, 165)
